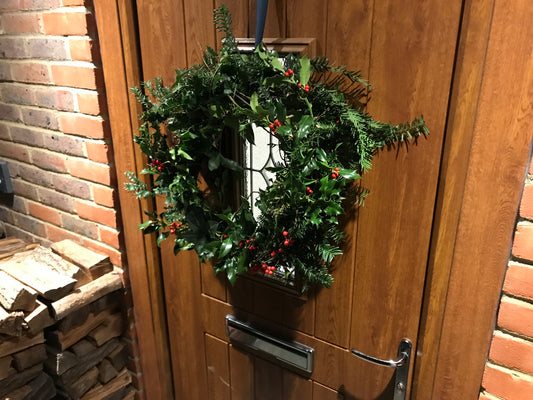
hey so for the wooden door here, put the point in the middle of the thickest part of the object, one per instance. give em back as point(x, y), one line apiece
point(406, 49)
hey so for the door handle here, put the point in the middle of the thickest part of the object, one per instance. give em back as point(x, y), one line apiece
point(401, 364)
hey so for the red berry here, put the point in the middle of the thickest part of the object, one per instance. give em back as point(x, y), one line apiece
point(299, 85)
point(225, 236)
point(306, 88)
point(333, 175)
point(240, 244)
point(252, 239)
point(273, 254)
point(287, 74)
point(159, 168)
point(286, 242)
point(271, 126)
point(178, 224)
point(290, 71)
point(336, 169)
point(338, 121)
point(280, 250)
point(285, 233)
point(247, 242)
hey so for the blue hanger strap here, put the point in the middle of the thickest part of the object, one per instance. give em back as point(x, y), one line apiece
point(260, 18)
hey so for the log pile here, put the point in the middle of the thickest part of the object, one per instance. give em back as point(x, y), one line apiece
point(61, 323)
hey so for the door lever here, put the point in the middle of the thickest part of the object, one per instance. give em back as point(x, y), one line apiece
point(401, 364)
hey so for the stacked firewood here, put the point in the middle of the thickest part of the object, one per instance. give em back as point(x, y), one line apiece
point(61, 323)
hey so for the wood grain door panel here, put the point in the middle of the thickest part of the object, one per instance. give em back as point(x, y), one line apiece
point(406, 49)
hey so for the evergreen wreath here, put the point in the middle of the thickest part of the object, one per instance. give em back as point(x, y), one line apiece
point(189, 132)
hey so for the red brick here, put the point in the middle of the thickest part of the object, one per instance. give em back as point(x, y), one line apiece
point(40, 117)
point(526, 205)
point(114, 255)
point(65, 183)
point(519, 280)
point(103, 195)
point(35, 175)
point(516, 316)
point(512, 352)
point(99, 152)
point(14, 151)
point(17, 93)
point(96, 213)
point(523, 241)
point(78, 76)
point(47, 214)
point(4, 132)
point(65, 23)
point(30, 72)
point(48, 160)
point(507, 384)
point(55, 234)
point(9, 5)
point(12, 48)
point(56, 200)
point(83, 125)
point(84, 50)
point(69, 3)
point(20, 23)
point(47, 48)
point(5, 70)
point(26, 135)
point(111, 237)
point(91, 171)
point(39, 4)
point(9, 112)
point(52, 97)
point(92, 103)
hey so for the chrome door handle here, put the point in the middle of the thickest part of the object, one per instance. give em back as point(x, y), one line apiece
point(401, 364)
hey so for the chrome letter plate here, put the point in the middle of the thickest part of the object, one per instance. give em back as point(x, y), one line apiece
point(292, 354)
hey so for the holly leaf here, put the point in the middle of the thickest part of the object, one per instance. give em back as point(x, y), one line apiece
point(276, 63)
point(144, 225)
point(305, 70)
point(254, 102)
point(349, 174)
point(225, 248)
point(334, 209)
point(162, 236)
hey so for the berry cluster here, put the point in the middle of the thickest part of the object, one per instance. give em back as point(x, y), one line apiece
point(274, 125)
point(249, 243)
point(174, 226)
point(309, 190)
point(289, 72)
point(306, 87)
point(335, 173)
point(157, 164)
point(264, 268)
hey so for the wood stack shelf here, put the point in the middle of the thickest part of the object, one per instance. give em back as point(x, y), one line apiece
point(61, 324)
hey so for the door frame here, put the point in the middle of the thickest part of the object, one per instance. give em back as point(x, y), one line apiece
point(470, 242)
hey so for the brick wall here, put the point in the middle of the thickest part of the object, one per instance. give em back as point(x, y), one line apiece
point(55, 134)
point(509, 370)
point(54, 131)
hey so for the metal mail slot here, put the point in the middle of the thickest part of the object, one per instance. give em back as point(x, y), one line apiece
point(290, 353)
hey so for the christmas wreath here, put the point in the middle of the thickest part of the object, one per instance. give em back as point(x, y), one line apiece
point(192, 132)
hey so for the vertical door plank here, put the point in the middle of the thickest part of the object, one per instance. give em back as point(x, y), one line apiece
point(321, 392)
point(501, 143)
point(308, 18)
point(162, 38)
point(475, 29)
point(276, 20)
point(349, 31)
point(152, 340)
point(413, 47)
point(184, 315)
point(242, 374)
point(218, 372)
point(199, 31)
point(268, 380)
point(296, 387)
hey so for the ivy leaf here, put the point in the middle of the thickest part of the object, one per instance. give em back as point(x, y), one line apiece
point(225, 248)
point(305, 70)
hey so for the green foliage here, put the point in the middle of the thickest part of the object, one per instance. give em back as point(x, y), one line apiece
point(189, 134)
